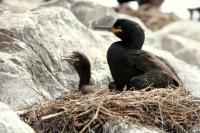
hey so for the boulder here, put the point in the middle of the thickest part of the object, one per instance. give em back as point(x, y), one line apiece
point(32, 45)
point(4, 9)
point(186, 29)
point(56, 3)
point(87, 11)
point(183, 42)
point(21, 5)
point(10, 121)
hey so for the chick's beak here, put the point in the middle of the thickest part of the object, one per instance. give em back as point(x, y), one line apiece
point(70, 59)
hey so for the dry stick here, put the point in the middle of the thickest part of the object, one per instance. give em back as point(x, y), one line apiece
point(40, 93)
point(84, 113)
point(52, 115)
point(95, 117)
point(161, 115)
point(178, 124)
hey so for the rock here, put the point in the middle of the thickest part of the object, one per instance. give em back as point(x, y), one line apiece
point(184, 45)
point(195, 128)
point(113, 126)
point(87, 11)
point(56, 3)
point(31, 47)
point(4, 9)
point(10, 121)
point(186, 29)
point(21, 5)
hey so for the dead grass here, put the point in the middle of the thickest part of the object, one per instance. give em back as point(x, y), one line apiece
point(168, 109)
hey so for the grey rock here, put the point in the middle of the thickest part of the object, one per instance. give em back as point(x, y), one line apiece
point(56, 3)
point(87, 11)
point(195, 129)
point(10, 121)
point(19, 6)
point(184, 48)
point(113, 126)
point(31, 47)
point(4, 9)
point(187, 29)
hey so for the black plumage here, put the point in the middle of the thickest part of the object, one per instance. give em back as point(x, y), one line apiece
point(82, 65)
point(135, 68)
point(124, 1)
point(140, 2)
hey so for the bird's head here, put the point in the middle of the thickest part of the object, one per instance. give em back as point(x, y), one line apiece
point(130, 32)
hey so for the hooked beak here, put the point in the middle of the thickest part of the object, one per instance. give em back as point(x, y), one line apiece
point(113, 30)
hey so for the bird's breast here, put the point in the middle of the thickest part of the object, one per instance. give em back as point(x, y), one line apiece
point(117, 63)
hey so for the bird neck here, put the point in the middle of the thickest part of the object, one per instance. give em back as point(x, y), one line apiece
point(131, 44)
point(84, 77)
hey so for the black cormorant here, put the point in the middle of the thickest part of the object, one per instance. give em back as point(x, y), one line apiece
point(135, 68)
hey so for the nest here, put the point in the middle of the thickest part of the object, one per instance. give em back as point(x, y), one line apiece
point(171, 110)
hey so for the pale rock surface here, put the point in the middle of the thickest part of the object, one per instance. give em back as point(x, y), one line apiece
point(187, 29)
point(113, 126)
point(182, 40)
point(56, 3)
point(32, 46)
point(10, 121)
point(87, 11)
point(183, 48)
point(4, 9)
point(22, 5)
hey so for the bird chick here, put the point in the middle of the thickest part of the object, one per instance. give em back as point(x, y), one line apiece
point(82, 65)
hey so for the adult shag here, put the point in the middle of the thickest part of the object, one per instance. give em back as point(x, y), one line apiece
point(135, 68)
